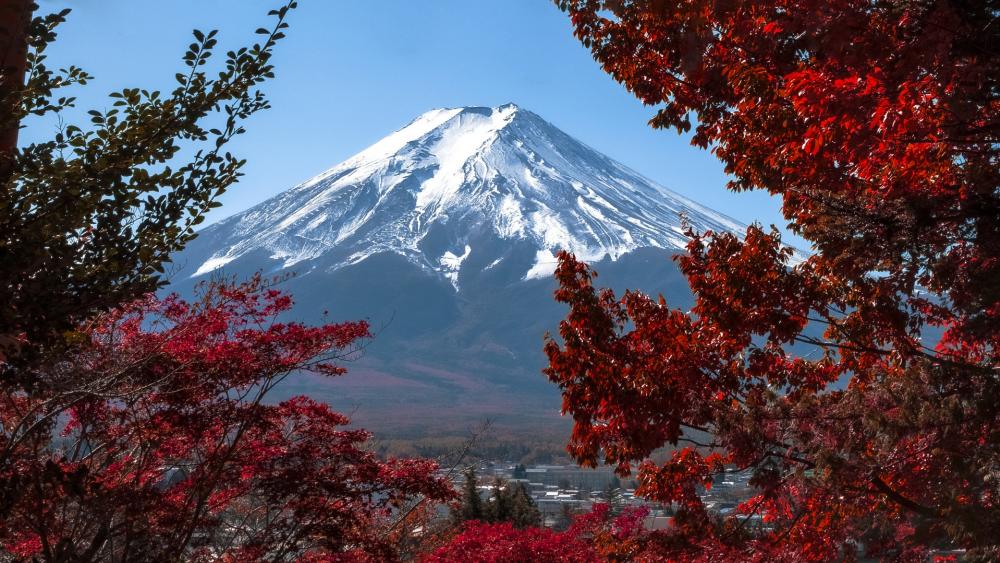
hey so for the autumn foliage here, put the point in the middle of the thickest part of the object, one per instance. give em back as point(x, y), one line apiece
point(154, 440)
point(91, 216)
point(859, 382)
point(593, 537)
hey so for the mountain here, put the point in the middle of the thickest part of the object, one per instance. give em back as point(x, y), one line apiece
point(444, 235)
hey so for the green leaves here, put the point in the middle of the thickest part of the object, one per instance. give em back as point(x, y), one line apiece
point(92, 215)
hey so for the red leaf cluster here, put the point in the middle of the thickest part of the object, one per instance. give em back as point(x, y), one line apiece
point(593, 537)
point(858, 383)
point(154, 440)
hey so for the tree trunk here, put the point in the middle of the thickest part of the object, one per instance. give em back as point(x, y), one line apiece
point(15, 18)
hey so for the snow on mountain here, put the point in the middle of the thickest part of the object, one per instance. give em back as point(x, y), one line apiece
point(453, 183)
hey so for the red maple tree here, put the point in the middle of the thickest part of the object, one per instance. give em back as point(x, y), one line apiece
point(153, 440)
point(593, 537)
point(877, 125)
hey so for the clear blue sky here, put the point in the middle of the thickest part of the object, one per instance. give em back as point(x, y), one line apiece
point(351, 72)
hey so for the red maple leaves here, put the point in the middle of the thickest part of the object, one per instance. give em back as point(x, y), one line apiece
point(877, 126)
point(154, 440)
point(593, 537)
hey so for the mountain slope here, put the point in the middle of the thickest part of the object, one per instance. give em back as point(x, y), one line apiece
point(443, 234)
point(429, 190)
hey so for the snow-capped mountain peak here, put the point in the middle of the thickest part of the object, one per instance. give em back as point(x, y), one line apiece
point(459, 183)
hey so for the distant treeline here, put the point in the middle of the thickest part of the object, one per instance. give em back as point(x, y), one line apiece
point(508, 448)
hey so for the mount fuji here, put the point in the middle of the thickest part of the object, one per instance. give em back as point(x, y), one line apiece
point(444, 235)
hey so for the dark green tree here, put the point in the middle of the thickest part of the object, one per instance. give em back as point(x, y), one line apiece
point(523, 511)
point(500, 508)
point(89, 218)
point(470, 506)
point(612, 495)
point(520, 471)
point(509, 502)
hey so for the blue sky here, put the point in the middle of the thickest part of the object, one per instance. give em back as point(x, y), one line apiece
point(351, 72)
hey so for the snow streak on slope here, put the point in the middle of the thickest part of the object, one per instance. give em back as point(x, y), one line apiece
point(457, 180)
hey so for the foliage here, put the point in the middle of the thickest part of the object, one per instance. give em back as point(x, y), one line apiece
point(481, 542)
point(545, 445)
point(512, 503)
point(509, 502)
point(471, 505)
point(520, 471)
point(876, 123)
point(612, 496)
point(595, 536)
point(89, 218)
point(153, 441)
point(138, 429)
